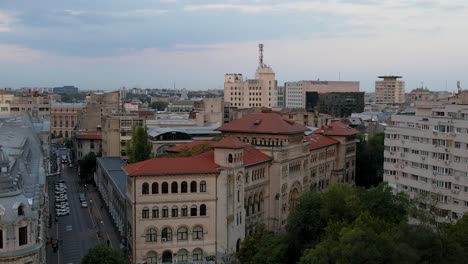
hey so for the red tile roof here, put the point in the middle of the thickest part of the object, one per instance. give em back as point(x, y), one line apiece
point(319, 141)
point(173, 166)
point(251, 154)
point(263, 123)
point(336, 128)
point(228, 143)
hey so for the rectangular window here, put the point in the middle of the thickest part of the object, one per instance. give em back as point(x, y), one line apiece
point(1, 238)
point(23, 235)
point(175, 212)
point(184, 211)
point(165, 212)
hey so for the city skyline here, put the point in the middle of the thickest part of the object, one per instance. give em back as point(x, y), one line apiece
point(151, 44)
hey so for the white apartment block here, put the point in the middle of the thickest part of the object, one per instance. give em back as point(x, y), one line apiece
point(295, 92)
point(389, 91)
point(429, 154)
point(258, 92)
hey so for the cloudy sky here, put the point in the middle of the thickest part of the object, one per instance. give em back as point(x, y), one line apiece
point(107, 44)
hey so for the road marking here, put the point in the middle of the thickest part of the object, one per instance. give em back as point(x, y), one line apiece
point(68, 228)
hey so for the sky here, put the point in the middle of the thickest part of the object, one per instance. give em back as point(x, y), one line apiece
point(107, 44)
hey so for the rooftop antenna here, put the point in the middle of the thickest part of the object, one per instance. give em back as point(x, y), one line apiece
point(459, 86)
point(260, 56)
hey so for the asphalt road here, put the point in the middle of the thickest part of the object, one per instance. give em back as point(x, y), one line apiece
point(84, 227)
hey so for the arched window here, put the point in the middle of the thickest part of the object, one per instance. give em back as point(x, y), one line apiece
point(145, 213)
point(193, 210)
point(174, 187)
point(197, 254)
point(166, 234)
point(197, 233)
point(20, 210)
point(183, 187)
point(155, 212)
point(154, 188)
point(182, 233)
point(182, 256)
point(151, 257)
point(230, 158)
point(184, 210)
point(167, 257)
point(175, 211)
point(165, 212)
point(260, 202)
point(145, 188)
point(165, 187)
point(249, 204)
point(255, 202)
point(151, 235)
point(202, 186)
point(193, 186)
point(202, 209)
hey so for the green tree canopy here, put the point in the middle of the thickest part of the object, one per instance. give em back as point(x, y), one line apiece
point(88, 166)
point(262, 247)
point(159, 105)
point(101, 254)
point(369, 160)
point(138, 148)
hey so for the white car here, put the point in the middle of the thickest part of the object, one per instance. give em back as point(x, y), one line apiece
point(84, 204)
point(62, 213)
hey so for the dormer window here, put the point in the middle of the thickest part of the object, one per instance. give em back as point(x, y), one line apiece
point(20, 210)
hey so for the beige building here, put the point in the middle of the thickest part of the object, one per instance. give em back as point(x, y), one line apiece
point(419, 94)
point(258, 92)
point(87, 141)
point(98, 105)
point(254, 175)
point(389, 91)
point(295, 92)
point(209, 111)
point(428, 154)
point(16, 103)
point(116, 131)
point(64, 118)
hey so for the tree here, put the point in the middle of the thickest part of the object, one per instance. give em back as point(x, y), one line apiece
point(369, 160)
point(159, 105)
point(138, 148)
point(262, 246)
point(88, 167)
point(68, 143)
point(101, 254)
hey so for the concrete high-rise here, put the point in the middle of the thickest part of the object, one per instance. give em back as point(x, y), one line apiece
point(258, 92)
point(426, 153)
point(389, 91)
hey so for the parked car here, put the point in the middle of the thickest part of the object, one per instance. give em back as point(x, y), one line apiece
point(70, 165)
point(60, 181)
point(60, 206)
point(64, 199)
point(84, 204)
point(62, 213)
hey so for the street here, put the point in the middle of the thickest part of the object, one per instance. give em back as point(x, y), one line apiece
point(83, 228)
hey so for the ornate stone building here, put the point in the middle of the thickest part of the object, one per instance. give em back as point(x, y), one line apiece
point(23, 207)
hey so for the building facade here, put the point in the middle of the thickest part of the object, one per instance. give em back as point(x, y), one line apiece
point(427, 154)
point(254, 175)
point(335, 104)
point(117, 131)
point(64, 118)
point(111, 182)
point(259, 92)
point(14, 103)
point(66, 90)
point(97, 106)
point(295, 92)
point(23, 202)
point(85, 142)
point(389, 91)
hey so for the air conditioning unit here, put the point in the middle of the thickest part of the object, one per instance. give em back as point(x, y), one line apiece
point(391, 152)
point(403, 142)
point(434, 173)
point(423, 157)
point(402, 166)
point(457, 177)
point(447, 150)
point(447, 162)
point(402, 154)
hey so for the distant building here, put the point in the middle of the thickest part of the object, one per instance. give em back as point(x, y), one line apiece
point(65, 90)
point(389, 91)
point(209, 111)
point(281, 97)
point(259, 92)
point(14, 103)
point(98, 105)
point(24, 211)
point(64, 118)
point(336, 104)
point(180, 106)
point(117, 131)
point(419, 94)
point(296, 92)
point(86, 141)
